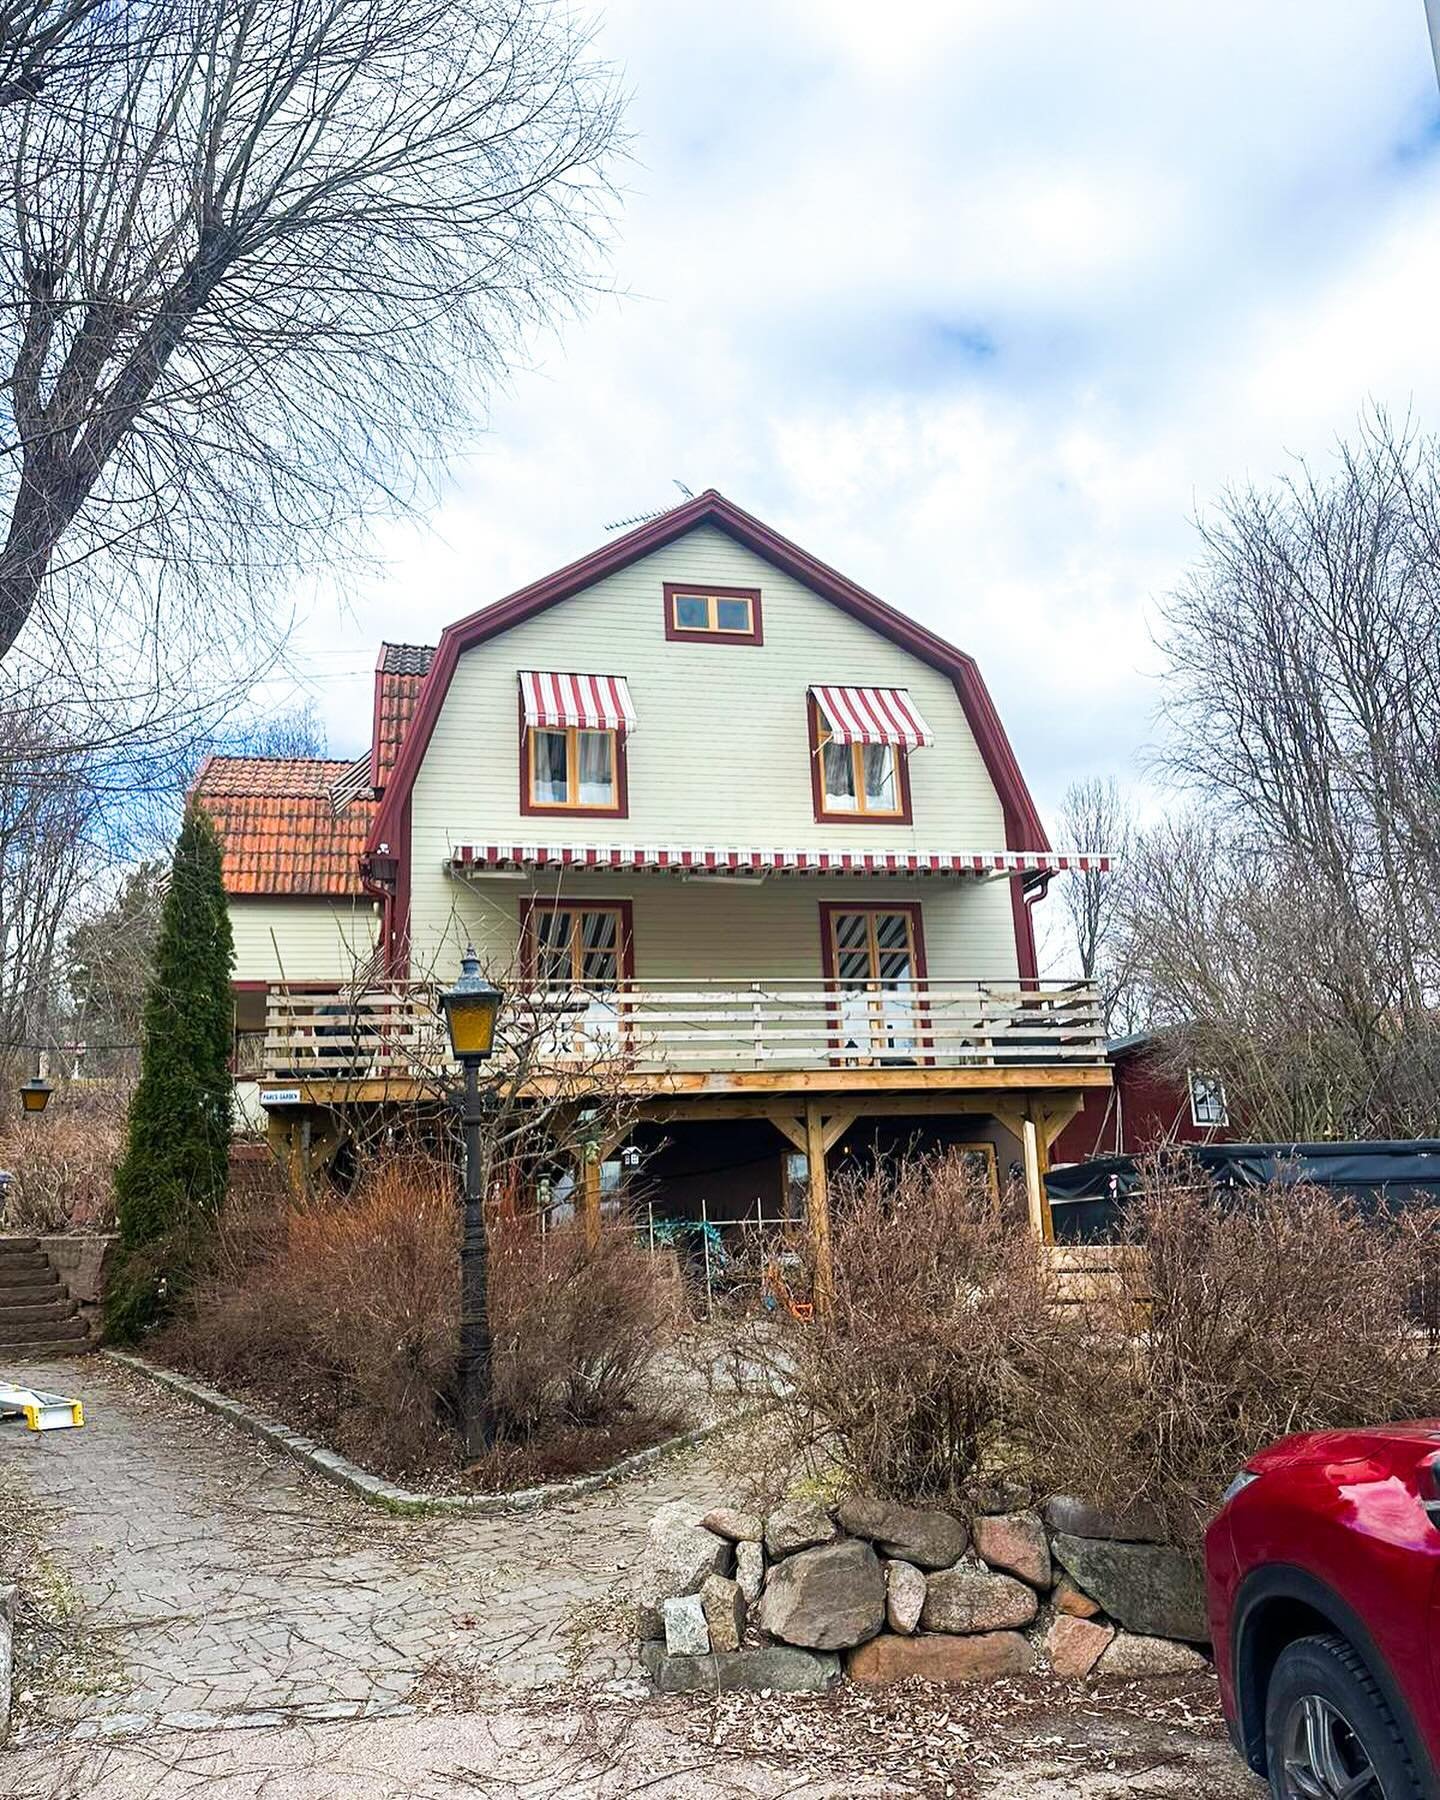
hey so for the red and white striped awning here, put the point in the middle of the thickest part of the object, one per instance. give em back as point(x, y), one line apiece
point(865, 715)
point(719, 860)
point(594, 702)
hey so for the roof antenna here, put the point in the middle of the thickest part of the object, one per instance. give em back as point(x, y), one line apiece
point(645, 517)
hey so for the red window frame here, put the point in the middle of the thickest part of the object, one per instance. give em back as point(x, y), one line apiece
point(906, 814)
point(530, 809)
point(913, 910)
point(532, 904)
point(677, 634)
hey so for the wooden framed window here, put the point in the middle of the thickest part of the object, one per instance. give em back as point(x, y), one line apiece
point(857, 784)
point(573, 769)
point(577, 944)
point(582, 950)
point(874, 960)
point(700, 613)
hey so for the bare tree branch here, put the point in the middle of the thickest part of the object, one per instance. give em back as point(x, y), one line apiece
point(263, 264)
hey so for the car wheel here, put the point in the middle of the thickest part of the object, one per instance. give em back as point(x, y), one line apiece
point(1328, 1733)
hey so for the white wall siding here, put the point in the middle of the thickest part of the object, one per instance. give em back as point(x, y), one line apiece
point(318, 940)
point(720, 756)
point(688, 929)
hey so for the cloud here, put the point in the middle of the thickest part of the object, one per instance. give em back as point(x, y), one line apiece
point(977, 301)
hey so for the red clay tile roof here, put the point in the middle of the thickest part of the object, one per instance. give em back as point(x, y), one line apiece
point(278, 826)
point(399, 675)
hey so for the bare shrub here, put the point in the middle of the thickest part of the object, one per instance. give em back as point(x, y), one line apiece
point(920, 1384)
point(576, 1327)
point(61, 1162)
point(342, 1313)
point(1247, 1316)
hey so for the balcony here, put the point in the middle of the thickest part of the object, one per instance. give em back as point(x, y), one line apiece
point(676, 1036)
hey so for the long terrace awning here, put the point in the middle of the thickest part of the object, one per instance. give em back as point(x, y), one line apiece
point(873, 715)
point(593, 702)
point(706, 859)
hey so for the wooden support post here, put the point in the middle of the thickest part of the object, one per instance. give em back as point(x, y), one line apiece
point(1034, 1198)
point(590, 1200)
point(817, 1209)
point(1037, 1159)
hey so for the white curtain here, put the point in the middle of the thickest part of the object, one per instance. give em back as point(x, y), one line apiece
point(839, 778)
point(597, 779)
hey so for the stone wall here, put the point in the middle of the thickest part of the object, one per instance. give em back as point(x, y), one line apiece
point(83, 1264)
point(729, 1599)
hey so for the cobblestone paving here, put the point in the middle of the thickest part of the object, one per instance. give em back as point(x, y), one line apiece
point(227, 1583)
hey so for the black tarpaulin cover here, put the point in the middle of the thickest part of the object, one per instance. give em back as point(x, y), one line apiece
point(1087, 1198)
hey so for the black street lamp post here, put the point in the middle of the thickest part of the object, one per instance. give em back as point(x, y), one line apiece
point(471, 1007)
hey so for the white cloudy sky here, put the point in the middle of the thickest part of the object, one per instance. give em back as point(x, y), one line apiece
point(976, 299)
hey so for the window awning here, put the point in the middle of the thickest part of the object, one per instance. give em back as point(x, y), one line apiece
point(594, 702)
point(711, 859)
point(873, 715)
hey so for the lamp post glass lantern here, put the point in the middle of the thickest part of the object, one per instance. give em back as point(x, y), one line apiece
point(35, 1094)
point(471, 1008)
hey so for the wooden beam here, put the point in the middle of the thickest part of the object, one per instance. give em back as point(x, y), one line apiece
point(975, 1103)
point(836, 1125)
point(915, 1082)
point(790, 1127)
point(817, 1211)
point(917, 1079)
point(1055, 1115)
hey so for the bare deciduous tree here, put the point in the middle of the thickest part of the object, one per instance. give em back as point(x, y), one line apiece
point(1298, 931)
point(42, 43)
point(1097, 816)
point(48, 859)
point(263, 264)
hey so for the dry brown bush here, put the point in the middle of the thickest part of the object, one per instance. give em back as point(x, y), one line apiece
point(342, 1313)
point(62, 1161)
point(1248, 1315)
point(922, 1382)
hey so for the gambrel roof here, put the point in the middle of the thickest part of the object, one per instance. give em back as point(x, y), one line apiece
point(1023, 829)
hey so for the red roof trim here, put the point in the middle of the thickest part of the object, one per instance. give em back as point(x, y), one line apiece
point(1023, 829)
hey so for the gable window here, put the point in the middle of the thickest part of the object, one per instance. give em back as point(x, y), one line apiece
point(860, 744)
point(573, 769)
point(572, 746)
point(1207, 1101)
point(701, 613)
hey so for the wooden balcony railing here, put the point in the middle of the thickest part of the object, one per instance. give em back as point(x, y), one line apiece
point(393, 1031)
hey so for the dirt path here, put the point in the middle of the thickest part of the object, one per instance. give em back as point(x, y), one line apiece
point(244, 1629)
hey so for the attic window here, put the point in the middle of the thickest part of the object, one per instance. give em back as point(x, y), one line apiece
point(702, 614)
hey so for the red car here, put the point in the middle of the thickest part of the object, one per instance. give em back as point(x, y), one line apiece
point(1323, 1570)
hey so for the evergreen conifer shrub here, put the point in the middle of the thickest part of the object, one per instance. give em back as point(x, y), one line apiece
point(171, 1179)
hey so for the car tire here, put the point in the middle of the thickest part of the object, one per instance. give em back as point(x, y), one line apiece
point(1325, 1720)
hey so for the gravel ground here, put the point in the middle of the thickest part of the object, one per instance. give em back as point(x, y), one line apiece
point(205, 1618)
point(1014, 1740)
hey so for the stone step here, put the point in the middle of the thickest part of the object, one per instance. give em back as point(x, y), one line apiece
point(23, 1263)
point(10, 1244)
point(36, 1315)
point(43, 1331)
point(41, 1350)
point(26, 1290)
